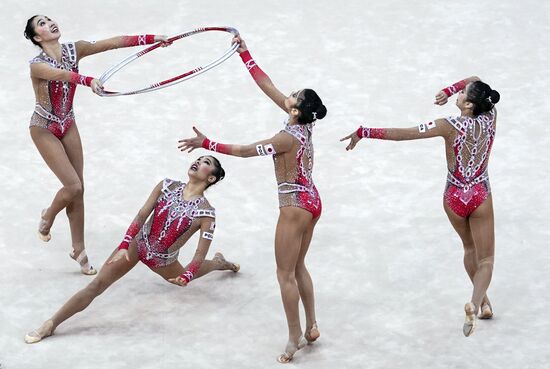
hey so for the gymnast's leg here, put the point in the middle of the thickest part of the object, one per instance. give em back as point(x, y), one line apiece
point(108, 274)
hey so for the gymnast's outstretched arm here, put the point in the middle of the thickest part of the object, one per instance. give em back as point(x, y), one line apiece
point(278, 144)
point(262, 80)
point(436, 128)
point(86, 48)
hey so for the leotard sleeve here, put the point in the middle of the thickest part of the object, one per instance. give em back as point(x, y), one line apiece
point(87, 48)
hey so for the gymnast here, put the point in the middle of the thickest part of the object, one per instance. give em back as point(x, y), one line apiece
point(299, 200)
point(54, 76)
point(179, 210)
point(467, 198)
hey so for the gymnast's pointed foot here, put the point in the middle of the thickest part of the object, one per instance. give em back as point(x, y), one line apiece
point(44, 227)
point(312, 334)
point(82, 260)
point(470, 319)
point(486, 310)
point(38, 335)
point(290, 350)
point(229, 265)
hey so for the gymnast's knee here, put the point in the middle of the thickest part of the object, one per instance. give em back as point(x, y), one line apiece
point(285, 276)
point(300, 270)
point(75, 190)
point(486, 262)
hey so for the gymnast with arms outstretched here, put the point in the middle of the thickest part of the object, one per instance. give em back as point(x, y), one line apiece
point(179, 210)
point(54, 75)
point(299, 201)
point(467, 197)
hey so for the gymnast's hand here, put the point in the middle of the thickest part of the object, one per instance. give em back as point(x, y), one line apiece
point(242, 48)
point(97, 86)
point(193, 143)
point(354, 139)
point(441, 98)
point(120, 254)
point(163, 40)
point(178, 280)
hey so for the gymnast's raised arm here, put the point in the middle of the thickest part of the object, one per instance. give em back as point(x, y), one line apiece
point(262, 79)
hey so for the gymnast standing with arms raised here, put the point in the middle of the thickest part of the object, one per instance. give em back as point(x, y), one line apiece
point(54, 76)
point(467, 198)
point(299, 201)
point(179, 210)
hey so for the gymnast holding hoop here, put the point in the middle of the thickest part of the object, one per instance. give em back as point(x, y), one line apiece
point(54, 76)
point(467, 197)
point(179, 210)
point(299, 201)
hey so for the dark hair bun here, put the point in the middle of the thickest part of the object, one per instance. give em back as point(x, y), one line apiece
point(321, 112)
point(311, 107)
point(495, 96)
point(482, 96)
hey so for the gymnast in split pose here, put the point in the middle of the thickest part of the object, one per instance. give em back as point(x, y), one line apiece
point(467, 197)
point(299, 201)
point(179, 210)
point(54, 76)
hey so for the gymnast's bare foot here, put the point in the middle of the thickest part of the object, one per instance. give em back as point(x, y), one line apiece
point(38, 335)
point(229, 266)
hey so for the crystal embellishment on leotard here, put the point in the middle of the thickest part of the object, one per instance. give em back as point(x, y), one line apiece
point(472, 146)
point(58, 108)
point(176, 217)
point(295, 182)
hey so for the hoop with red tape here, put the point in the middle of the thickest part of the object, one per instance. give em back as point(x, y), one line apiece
point(177, 79)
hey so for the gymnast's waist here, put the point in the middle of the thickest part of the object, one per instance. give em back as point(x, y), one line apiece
point(46, 114)
point(469, 182)
point(287, 187)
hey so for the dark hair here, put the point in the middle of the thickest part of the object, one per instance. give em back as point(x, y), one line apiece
point(482, 96)
point(218, 171)
point(30, 32)
point(311, 107)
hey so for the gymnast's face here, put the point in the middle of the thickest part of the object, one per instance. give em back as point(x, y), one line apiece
point(291, 104)
point(202, 168)
point(292, 100)
point(45, 29)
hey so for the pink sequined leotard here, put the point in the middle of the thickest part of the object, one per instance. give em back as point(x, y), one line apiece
point(468, 181)
point(54, 105)
point(173, 222)
point(295, 183)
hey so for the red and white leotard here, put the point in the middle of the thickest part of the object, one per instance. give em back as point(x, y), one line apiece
point(468, 180)
point(173, 222)
point(54, 104)
point(295, 182)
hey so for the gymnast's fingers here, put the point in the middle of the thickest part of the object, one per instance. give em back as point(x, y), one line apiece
point(345, 138)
